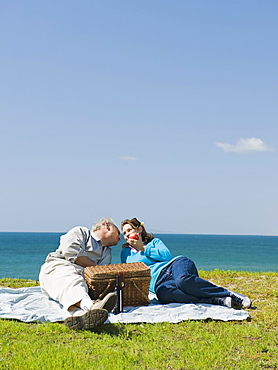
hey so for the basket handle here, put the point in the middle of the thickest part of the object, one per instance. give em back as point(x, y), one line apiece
point(142, 294)
point(103, 294)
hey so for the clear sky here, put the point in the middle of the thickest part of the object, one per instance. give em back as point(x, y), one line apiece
point(162, 110)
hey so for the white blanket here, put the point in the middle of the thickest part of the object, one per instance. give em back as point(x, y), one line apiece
point(30, 304)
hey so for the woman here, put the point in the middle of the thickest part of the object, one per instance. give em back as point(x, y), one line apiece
point(173, 279)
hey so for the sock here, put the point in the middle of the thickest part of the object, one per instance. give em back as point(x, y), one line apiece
point(86, 303)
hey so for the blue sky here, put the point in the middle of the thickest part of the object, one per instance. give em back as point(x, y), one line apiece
point(162, 110)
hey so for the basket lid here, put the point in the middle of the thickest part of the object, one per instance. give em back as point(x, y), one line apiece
point(134, 269)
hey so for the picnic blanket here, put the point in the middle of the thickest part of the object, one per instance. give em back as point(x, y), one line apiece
point(29, 304)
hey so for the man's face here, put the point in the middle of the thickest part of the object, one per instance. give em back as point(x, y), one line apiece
point(112, 236)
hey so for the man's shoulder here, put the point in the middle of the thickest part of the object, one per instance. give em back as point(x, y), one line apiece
point(81, 228)
point(80, 231)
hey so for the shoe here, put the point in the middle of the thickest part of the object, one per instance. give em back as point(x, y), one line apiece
point(222, 301)
point(87, 319)
point(240, 300)
point(107, 303)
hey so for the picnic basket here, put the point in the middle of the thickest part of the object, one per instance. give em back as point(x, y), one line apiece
point(102, 280)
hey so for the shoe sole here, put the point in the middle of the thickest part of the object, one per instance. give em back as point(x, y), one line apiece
point(107, 303)
point(110, 304)
point(89, 320)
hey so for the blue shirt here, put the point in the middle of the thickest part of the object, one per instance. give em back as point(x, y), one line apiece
point(156, 256)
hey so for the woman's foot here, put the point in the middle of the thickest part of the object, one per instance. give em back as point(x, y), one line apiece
point(222, 301)
point(240, 300)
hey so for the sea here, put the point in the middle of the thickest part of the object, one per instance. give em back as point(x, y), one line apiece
point(22, 253)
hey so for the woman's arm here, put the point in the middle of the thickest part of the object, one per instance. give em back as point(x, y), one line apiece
point(157, 250)
point(125, 253)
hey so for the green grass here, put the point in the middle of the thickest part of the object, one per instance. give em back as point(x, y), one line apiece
point(190, 345)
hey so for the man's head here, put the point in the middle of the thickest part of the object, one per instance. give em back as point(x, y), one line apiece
point(107, 231)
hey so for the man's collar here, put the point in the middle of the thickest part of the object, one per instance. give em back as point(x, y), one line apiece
point(93, 234)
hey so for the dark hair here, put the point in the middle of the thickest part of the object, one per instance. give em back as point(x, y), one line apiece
point(135, 224)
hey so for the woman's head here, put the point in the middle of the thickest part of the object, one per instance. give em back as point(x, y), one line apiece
point(137, 227)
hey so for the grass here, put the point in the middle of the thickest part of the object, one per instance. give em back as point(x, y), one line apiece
point(190, 345)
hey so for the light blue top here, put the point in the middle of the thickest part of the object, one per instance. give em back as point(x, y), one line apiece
point(156, 256)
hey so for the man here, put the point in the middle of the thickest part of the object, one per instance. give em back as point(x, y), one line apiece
point(62, 279)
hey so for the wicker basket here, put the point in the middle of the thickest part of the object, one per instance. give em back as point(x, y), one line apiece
point(102, 280)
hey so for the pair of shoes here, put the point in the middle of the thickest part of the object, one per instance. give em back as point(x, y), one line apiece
point(222, 301)
point(108, 302)
point(240, 300)
point(87, 319)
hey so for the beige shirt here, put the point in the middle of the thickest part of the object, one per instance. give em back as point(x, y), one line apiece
point(78, 242)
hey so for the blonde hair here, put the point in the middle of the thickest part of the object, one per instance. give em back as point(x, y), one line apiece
point(102, 222)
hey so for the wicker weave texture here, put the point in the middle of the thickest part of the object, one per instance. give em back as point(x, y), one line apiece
point(130, 269)
point(102, 280)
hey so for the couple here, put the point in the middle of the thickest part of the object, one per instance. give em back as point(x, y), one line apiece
point(172, 279)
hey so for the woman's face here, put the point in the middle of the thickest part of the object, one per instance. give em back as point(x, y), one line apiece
point(129, 230)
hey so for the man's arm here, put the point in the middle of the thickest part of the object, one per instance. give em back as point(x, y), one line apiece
point(73, 245)
point(84, 261)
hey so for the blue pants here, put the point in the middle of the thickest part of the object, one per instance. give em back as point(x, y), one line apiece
point(179, 282)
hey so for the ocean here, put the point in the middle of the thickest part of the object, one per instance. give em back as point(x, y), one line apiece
point(22, 254)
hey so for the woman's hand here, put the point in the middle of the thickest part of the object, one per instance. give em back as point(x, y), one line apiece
point(137, 244)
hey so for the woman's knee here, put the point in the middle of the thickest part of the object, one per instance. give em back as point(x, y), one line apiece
point(184, 267)
point(163, 295)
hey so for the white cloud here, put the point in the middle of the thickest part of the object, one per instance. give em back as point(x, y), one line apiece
point(129, 158)
point(251, 144)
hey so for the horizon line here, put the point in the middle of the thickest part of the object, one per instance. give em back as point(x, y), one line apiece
point(153, 232)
